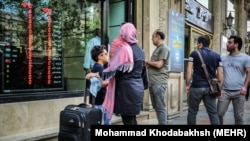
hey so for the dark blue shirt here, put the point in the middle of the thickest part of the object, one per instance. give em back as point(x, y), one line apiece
point(212, 61)
point(101, 93)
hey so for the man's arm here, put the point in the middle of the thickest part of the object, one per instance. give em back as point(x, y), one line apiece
point(220, 75)
point(87, 55)
point(189, 73)
point(246, 83)
point(155, 64)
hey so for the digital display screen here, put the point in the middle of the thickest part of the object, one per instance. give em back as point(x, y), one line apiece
point(30, 53)
point(15, 76)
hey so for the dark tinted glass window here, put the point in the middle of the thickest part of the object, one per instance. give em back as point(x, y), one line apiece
point(42, 45)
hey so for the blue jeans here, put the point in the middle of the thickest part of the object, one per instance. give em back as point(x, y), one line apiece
point(105, 120)
point(195, 97)
point(158, 95)
point(238, 101)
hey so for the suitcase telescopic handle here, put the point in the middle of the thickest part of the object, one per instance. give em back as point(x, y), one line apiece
point(86, 94)
point(87, 83)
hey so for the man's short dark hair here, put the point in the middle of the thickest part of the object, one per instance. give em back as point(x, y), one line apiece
point(161, 34)
point(205, 40)
point(238, 40)
point(96, 51)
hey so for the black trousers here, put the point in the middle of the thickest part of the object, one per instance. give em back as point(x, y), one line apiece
point(129, 119)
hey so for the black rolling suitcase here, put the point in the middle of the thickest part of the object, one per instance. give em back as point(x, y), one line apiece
point(76, 120)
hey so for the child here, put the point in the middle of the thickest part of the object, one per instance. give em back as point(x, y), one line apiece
point(100, 55)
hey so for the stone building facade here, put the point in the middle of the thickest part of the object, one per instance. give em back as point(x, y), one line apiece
point(176, 99)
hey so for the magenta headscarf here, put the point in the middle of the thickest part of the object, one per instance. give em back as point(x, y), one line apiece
point(128, 33)
point(122, 60)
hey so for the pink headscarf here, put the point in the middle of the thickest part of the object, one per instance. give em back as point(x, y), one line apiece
point(115, 44)
point(128, 33)
point(121, 60)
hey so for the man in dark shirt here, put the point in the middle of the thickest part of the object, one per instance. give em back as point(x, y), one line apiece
point(199, 89)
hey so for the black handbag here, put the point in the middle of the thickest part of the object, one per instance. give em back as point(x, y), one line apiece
point(215, 88)
point(144, 75)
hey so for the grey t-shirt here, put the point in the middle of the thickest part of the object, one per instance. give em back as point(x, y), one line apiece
point(155, 75)
point(234, 70)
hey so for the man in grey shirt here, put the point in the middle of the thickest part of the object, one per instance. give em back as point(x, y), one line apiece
point(236, 79)
point(158, 76)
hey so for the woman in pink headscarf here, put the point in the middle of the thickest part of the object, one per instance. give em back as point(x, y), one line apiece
point(125, 90)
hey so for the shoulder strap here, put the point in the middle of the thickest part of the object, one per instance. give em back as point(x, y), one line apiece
point(204, 67)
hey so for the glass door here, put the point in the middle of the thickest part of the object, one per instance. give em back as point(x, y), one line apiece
point(116, 17)
point(80, 23)
point(120, 11)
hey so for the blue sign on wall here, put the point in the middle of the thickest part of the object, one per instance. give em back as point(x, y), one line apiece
point(198, 15)
point(176, 34)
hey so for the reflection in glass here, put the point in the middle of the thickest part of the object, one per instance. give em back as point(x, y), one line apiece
point(43, 43)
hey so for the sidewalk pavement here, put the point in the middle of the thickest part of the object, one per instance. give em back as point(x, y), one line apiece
point(202, 117)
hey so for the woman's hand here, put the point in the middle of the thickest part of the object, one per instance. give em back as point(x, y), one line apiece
point(91, 74)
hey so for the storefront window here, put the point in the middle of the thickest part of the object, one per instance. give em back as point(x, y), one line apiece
point(42, 45)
